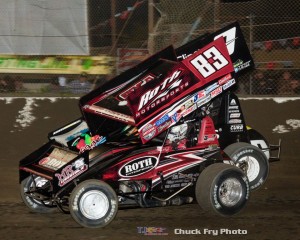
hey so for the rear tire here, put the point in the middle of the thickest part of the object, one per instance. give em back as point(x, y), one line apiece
point(251, 160)
point(93, 204)
point(222, 189)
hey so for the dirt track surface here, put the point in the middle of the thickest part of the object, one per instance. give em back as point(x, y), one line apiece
point(273, 212)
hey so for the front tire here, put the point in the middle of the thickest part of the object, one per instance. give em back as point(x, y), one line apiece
point(251, 160)
point(222, 189)
point(93, 204)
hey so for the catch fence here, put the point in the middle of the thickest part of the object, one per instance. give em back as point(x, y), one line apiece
point(122, 33)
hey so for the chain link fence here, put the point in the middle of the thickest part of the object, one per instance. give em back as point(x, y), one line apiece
point(122, 33)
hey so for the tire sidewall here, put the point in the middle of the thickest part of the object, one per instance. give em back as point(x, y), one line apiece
point(26, 183)
point(215, 198)
point(81, 219)
point(33, 205)
point(261, 160)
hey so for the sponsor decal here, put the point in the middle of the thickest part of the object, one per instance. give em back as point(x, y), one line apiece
point(178, 183)
point(75, 202)
point(240, 65)
point(57, 159)
point(71, 171)
point(234, 121)
point(229, 84)
point(189, 110)
point(114, 115)
point(176, 117)
point(87, 142)
point(138, 166)
point(232, 102)
point(237, 63)
point(148, 131)
point(162, 98)
point(233, 107)
point(112, 211)
point(237, 128)
point(237, 156)
point(204, 100)
point(52, 163)
point(210, 88)
point(188, 103)
point(225, 79)
point(260, 182)
point(167, 84)
point(110, 114)
point(164, 126)
point(216, 92)
point(234, 111)
point(162, 120)
point(201, 94)
point(209, 137)
point(234, 115)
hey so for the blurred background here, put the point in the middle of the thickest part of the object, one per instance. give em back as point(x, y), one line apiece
point(55, 47)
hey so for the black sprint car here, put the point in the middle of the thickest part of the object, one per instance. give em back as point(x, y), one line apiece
point(168, 131)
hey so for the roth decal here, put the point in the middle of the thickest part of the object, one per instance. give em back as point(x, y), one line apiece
point(152, 94)
point(138, 166)
point(52, 163)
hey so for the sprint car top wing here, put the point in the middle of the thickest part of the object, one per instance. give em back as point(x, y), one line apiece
point(155, 94)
